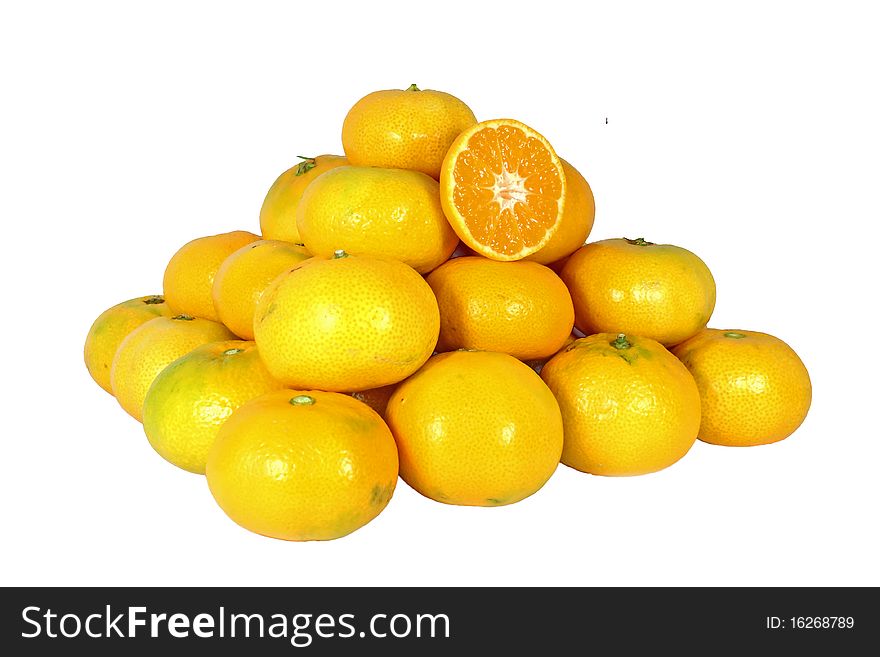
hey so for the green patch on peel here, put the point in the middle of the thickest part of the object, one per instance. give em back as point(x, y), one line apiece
point(232, 352)
point(380, 495)
point(302, 400)
point(734, 335)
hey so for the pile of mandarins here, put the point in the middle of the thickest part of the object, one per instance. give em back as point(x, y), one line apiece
point(409, 309)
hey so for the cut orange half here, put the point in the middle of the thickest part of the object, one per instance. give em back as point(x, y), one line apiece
point(502, 188)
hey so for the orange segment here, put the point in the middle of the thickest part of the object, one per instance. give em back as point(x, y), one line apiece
point(502, 188)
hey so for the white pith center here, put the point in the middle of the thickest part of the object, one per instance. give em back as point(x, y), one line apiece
point(509, 189)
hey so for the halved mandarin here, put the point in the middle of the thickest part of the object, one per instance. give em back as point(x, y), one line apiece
point(502, 188)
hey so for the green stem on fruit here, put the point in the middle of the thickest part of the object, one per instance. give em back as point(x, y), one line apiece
point(185, 318)
point(339, 253)
point(413, 87)
point(734, 335)
point(639, 241)
point(302, 400)
point(307, 164)
point(621, 342)
point(154, 300)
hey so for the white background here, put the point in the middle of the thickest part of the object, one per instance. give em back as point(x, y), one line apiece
point(747, 134)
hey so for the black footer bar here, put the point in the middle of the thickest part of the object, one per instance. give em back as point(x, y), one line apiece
point(429, 621)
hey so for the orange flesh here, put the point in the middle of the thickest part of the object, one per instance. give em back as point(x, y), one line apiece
point(507, 189)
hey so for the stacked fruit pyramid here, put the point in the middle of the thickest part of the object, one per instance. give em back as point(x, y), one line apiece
point(409, 309)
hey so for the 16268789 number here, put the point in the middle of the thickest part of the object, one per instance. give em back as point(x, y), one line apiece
point(821, 622)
